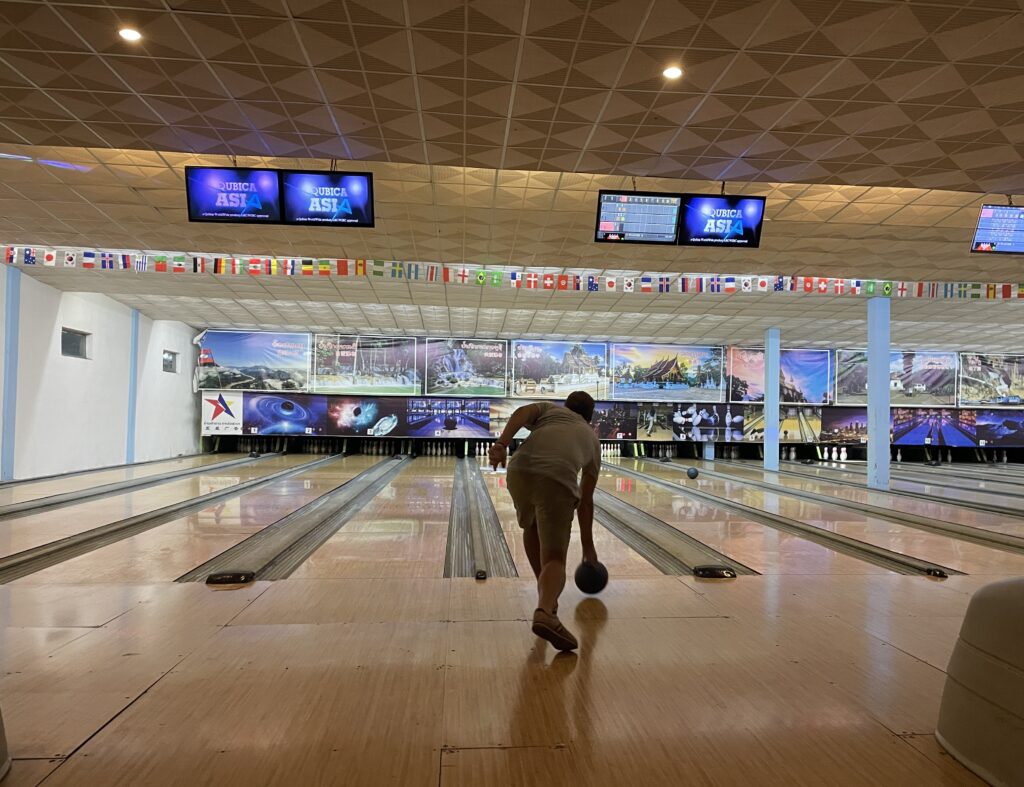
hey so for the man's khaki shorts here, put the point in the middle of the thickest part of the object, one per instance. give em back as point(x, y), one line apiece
point(546, 504)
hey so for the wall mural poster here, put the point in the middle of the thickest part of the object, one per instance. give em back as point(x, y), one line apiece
point(805, 376)
point(382, 366)
point(614, 420)
point(844, 425)
point(1003, 428)
point(222, 413)
point(799, 424)
point(253, 361)
point(284, 414)
point(692, 421)
point(667, 372)
point(500, 411)
point(991, 379)
point(933, 426)
point(366, 416)
point(746, 374)
point(553, 370)
point(466, 367)
point(915, 378)
point(438, 418)
point(753, 423)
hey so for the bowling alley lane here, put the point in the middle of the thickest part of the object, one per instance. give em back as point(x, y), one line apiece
point(990, 491)
point(20, 533)
point(621, 560)
point(762, 548)
point(170, 550)
point(24, 491)
point(401, 532)
point(946, 511)
point(943, 550)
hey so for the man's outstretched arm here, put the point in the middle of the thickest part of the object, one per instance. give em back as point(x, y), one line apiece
point(524, 416)
point(585, 512)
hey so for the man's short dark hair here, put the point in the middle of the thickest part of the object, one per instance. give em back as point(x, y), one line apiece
point(581, 403)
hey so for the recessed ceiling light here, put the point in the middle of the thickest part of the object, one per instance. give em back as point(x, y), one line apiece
point(128, 34)
point(673, 72)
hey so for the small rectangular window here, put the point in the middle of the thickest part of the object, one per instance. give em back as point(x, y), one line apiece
point(170, 362)
point(74, 344)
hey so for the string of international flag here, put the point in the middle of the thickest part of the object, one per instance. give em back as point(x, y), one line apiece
point(455, 274)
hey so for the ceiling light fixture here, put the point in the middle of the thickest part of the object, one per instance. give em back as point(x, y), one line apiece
point(673, 72)
point(128, 34)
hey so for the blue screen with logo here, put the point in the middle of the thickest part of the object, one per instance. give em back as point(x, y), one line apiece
point(232, 194)
point(730, 221)
point(328, 198)
point(1000, 230)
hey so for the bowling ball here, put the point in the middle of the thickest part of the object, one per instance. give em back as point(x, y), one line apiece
point(591, 577)
point(287, 407)
point(357, 412)
point(692, 473)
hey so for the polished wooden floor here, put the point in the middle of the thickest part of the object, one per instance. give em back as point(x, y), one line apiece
point(367, 667)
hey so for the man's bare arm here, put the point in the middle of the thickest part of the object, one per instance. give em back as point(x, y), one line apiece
point(524, 416)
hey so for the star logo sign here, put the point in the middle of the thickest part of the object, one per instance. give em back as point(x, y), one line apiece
point(220, 405)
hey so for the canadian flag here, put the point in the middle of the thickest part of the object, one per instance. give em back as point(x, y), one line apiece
point(531, 281)
point(549, 281)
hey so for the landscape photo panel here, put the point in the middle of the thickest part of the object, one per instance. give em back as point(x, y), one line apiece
point(667, 372)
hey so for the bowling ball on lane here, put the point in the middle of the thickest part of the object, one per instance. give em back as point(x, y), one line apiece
point(591, 578)
point(692, 473)
point(287, 407)
point(357, 412)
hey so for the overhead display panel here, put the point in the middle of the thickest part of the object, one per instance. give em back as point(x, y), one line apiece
point(916, 379)
point(991, 379)
point(637, 217)
point(233, 194)
point(725, 221)
point(1000, 230)
point(340, 199)
point(466, 367)
point(254, 361)
point(553, 370)
point(671, 372)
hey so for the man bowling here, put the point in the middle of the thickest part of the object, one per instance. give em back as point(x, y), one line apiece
point(544, 481)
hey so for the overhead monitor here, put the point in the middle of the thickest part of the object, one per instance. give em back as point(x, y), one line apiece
point(338, 199)
point(233, 194)
point(1000, 230)
point(728, 221)
point(637, 217)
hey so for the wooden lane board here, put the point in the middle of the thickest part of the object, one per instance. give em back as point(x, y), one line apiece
point(168, 551)
point(17, 535)
point(903, 539)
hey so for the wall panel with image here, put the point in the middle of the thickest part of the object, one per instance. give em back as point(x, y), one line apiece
point(553, 370)
point(1003, 428)
point(252, 361)
point(466, 367)
point(378, 365)
point(667, 372)
point(991, 379)
point(916, 379)
point(805, 376)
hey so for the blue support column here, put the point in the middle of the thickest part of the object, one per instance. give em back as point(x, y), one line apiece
point(133, 388)
point(772, 370)
point(709, 451)
point(878, 393)
point(12, 319)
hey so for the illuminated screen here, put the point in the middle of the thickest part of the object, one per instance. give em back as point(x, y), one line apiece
point(637, 217)
point(1000, 230)
point(232, 194)
point(343, 199)
point(731, 221)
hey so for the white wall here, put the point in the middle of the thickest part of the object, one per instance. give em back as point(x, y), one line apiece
point(73, 413)
point(167, 420)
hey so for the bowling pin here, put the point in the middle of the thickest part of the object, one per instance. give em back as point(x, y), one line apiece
point(899, 455)
point(842, 454)
point(949, 456)
point(1004, 457)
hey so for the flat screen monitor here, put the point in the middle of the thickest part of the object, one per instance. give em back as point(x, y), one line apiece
point(1000, 230)
point(637, 217)
point(233, 194)
point(337, 199)
point(728, 221)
